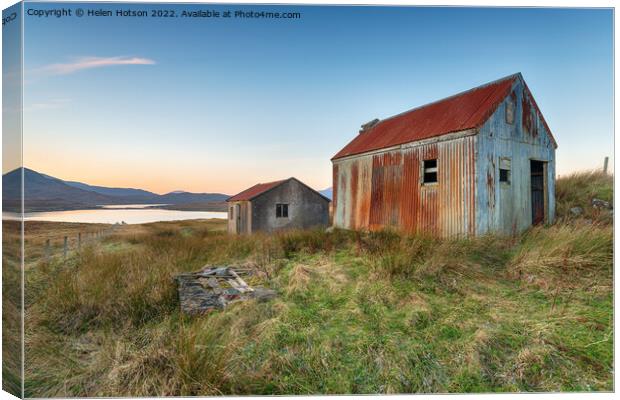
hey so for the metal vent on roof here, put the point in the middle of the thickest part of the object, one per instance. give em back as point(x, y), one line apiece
point(369, 125)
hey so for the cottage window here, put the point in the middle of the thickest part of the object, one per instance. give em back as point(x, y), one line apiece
point(281, 210)
point(430, 171)
point(510, 112)
point(504, 170)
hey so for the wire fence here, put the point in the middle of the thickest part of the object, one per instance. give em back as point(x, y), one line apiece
point(74, 242)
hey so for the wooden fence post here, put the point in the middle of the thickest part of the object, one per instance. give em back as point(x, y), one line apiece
point(47, 250)
point(605, 165)
point(64, 250)
point(79, 240)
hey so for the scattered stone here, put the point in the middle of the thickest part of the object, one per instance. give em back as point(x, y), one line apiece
point(215, 287)
point(576, 211)
point(598, 203)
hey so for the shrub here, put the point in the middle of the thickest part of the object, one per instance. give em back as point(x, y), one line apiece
point(578, 190)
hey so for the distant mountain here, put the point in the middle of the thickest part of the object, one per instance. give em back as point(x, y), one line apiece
point(110, 191)
point(46, 193)
point(42, 192)
point(146, 197)
point(327, 193)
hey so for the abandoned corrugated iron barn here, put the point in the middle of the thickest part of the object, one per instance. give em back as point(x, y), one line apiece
point(476, 162)
point(285, 204)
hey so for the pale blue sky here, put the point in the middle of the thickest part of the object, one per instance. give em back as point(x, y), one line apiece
point(218, 105)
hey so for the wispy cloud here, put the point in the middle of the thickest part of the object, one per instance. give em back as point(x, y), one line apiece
point(82, 63)
point(50, 104)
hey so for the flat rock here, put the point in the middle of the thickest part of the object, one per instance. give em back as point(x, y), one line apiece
point(598, 203)
point(215, 287)
point(576, 211)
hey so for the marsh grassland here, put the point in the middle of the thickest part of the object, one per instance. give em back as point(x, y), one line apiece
point(355, 313)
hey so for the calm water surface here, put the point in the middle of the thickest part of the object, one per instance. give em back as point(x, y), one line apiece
point(111, 215)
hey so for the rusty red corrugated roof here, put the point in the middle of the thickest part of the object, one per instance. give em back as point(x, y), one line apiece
point(462, 111)
point(255, 190)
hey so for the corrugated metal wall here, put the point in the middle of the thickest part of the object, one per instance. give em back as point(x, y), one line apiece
point(381, 190)
point(506, 207)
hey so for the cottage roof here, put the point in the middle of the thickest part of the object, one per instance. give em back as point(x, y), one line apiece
point(261, 188)
point(466, 110)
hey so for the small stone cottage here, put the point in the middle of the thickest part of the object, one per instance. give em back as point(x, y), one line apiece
point(285, 204)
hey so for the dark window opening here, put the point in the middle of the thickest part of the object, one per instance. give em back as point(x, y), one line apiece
point(231, 213)
point(281, 210)
point(504, 175)
point(430, 171)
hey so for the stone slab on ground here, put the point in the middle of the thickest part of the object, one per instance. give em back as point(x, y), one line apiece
point(213, 288)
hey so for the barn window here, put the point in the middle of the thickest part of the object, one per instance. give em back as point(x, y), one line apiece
point(430, 171)
point(504, 170)
point(504, 175)
point(510, 112)
point(281, 210)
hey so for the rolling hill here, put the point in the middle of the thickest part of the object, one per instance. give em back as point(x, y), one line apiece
point(47, 193)
point(110, 191)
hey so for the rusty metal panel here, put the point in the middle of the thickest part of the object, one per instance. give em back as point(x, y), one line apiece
point(538, 114)
point(364, 189)
point(359, 192)
point(384, 190)
point(353, 185)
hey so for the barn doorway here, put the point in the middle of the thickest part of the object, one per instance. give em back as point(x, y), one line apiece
point(538, 185)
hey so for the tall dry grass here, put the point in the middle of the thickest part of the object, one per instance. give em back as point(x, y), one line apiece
point(356, 312)
point(565, 256)
point(579, 189)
